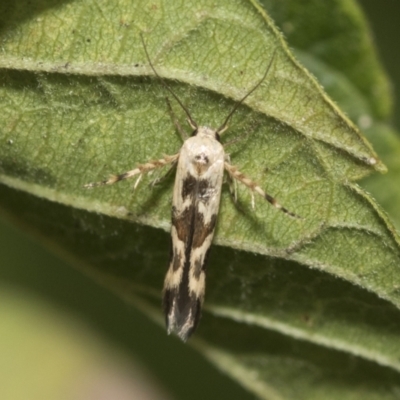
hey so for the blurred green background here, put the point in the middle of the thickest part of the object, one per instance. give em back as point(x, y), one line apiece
point(64, 337)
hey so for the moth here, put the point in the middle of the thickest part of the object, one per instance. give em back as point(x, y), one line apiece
point(200, 166)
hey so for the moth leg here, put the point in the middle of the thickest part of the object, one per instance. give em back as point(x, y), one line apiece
point(253, 201)
point(161, 178)
point(232, 188)
point(175, 121)
point(137, 181)
point(139, 170)
point(243, 136)
point(232, 183)
point(236, 174)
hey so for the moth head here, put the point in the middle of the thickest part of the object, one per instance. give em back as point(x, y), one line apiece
point(205, 131)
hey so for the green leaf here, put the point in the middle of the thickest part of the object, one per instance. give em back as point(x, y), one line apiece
point(301, 301)
point(386, 188)
point(335, 34)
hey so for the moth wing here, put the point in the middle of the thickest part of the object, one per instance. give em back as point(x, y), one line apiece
point(195, 209)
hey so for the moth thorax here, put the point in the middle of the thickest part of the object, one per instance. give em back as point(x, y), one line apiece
point(201, 158)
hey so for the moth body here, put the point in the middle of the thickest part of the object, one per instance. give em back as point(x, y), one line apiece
point(195, 207)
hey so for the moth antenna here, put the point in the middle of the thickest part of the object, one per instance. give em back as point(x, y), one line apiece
point(224, 126)
point(191, 121)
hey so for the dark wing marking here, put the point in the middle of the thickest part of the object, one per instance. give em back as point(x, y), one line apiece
point(182, 306)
